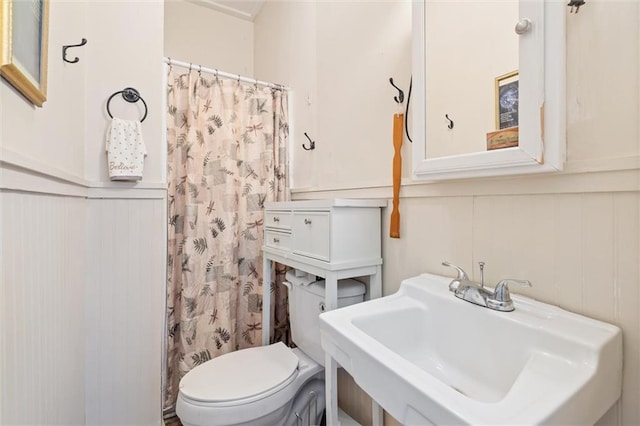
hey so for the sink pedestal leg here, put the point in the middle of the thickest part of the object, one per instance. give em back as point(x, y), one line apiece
point(331, 390)
point(377, 414)
point(331, 366)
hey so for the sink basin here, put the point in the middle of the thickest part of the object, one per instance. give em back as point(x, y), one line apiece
point(428, 357)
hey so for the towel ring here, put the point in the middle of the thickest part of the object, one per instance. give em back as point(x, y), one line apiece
point(130, 95)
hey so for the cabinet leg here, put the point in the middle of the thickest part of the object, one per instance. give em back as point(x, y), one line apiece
point(331, 291)
point(266, 300)
point(375, 284)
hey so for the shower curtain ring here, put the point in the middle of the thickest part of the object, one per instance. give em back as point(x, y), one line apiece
point(200, 71)
point(256, 84)
point(190, 66)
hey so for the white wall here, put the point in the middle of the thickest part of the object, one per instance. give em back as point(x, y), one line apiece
point(206, 37)
point(124, 50)
point(289, 28)
point(337, 57)
point(55, 133)
point(575, 234)
point(70, 338)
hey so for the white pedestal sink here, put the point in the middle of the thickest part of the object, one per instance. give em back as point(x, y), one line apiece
point(428, 357)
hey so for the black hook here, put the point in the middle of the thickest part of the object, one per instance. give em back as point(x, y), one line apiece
point(64, 51)
point(450, 125)
point(311, 143)
point(400, 98)
point(576, 4)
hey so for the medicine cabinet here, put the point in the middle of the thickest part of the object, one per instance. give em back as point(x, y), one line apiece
point(467, 88)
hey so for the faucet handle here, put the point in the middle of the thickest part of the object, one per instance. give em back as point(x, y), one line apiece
point(462, 276)
point(501, 299)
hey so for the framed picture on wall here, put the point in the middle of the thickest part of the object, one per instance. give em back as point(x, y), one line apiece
point(507, 100)
point(24, 27)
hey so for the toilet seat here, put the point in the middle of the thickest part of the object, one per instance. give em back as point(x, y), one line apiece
point(261, 409)
point(240, 377)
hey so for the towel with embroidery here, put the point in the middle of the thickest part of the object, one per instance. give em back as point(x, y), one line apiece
point(125, 150)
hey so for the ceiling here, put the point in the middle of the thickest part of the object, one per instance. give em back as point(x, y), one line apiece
point(244, 9)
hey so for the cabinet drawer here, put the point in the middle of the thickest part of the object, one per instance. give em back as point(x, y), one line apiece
point(278, 219)
point(280, 240)
point(312, 234)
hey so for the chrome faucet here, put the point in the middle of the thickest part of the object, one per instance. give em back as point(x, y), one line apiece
point(462, 276)
point(499, 299)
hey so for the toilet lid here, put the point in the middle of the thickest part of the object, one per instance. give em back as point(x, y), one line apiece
point(240, 375)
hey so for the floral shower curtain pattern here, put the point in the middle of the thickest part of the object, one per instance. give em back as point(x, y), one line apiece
point(227, 157)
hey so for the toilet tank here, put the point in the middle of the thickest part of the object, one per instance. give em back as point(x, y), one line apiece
point(306, 302)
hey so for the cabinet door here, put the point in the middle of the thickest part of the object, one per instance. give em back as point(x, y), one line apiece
point(312, 234)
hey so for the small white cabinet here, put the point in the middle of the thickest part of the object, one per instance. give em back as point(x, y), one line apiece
point(329, 234)
point(333, 239)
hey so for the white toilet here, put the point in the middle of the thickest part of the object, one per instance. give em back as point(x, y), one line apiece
point(268, 385)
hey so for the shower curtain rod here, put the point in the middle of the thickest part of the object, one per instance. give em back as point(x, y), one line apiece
point(195, 67)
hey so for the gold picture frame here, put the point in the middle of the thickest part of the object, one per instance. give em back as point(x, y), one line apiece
point(24, 31)
point(507, 100)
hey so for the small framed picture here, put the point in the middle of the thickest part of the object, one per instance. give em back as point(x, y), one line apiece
point(507, 100)
point(24, 27)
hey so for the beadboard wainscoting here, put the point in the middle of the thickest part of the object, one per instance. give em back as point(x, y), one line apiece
point(82, 296)
point(42, 324)
point(125, 299)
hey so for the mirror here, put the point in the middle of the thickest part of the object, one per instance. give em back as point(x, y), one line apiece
point(488, 101)
point(474, 51)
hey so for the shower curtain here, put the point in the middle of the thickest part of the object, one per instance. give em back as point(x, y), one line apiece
point(226, 157)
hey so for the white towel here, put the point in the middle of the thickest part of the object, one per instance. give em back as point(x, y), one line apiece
point(125, 150)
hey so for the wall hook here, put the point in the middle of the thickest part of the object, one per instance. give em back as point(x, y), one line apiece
point(64, 51)
point(576, 4)
point(400, 98)
point(450, 125)
point(312, 144)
